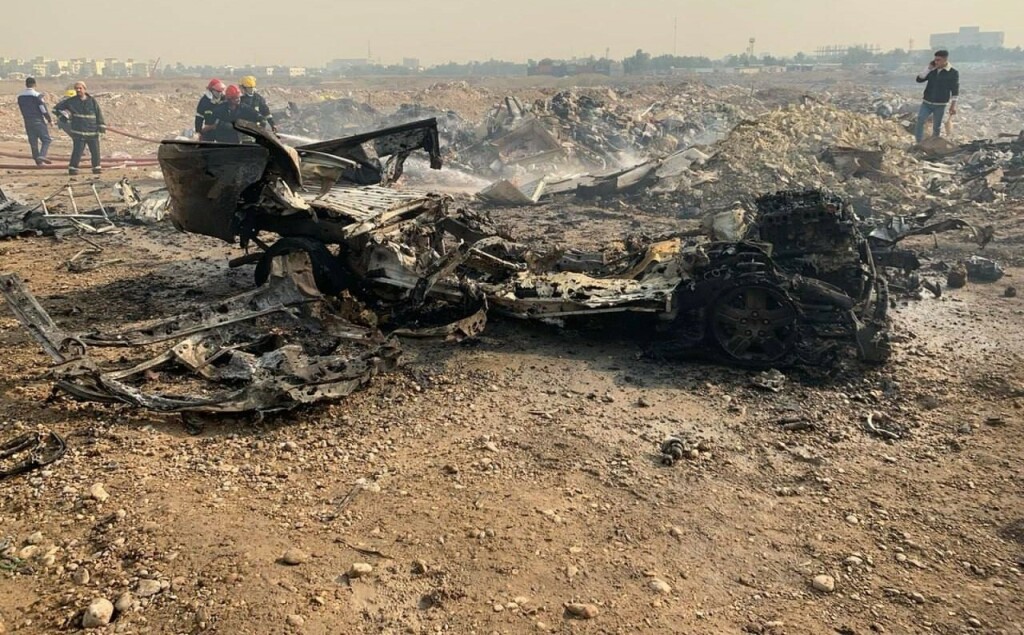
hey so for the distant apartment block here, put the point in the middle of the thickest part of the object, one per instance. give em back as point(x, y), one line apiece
point(74, 68)
point(968, 36)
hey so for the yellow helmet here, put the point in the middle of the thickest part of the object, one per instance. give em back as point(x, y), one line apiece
point(248, 81)
point(70, 92)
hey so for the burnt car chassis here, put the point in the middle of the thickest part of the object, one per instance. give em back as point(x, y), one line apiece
point(798, 280)
point(801, 279)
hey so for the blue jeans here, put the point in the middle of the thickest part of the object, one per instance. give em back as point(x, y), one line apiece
point(936, 111)
point(38, 139)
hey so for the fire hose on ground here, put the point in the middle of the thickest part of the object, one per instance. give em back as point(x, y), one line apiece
point(105, 162)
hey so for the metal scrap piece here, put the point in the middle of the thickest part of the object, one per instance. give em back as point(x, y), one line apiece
point(276, 376)
point(41, 449)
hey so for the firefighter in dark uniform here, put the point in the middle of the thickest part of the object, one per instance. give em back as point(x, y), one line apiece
point(63, 114)
point(204, 110)
point(86, 127)
point(256, 101)
point(219, 126)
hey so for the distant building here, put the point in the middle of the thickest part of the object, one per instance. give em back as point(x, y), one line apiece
point(968, 36)
point(342, 65)
point(576, 67)
point(411, 63)
point(296, 71)
point(139, 69)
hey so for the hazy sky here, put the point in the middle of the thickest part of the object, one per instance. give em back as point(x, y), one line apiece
point(311, 32)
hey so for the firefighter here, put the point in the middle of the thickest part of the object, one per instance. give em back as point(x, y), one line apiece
point(62, 113)
point(204, 110)
point(255, 100)
point(86, 127)
point(220, 125)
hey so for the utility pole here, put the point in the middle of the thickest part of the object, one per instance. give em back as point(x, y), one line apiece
point(675, 36)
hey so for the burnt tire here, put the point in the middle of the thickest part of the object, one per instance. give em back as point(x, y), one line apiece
point(754, 324)
point(330, 275)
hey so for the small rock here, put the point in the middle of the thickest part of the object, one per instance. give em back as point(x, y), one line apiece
point(295, 620)
point(29, 552)
point(124, 602)
point(148, 588)
point(853, 561)
point(294, 557)
point(643, 402)
point(290, 446)
point(419, 567)
point(98, 613)
point(917, 598)
point(491, 446)
point(571, 571)
point(582, 611)
point(659, 586)
point(824, 583)
point(35, 539)
point(1010, 292)
point(359, 569)
point(99, 493)
point(81, 576)
point(498, 608)
point(853, 520)
point(974, 622)
point(675, 532)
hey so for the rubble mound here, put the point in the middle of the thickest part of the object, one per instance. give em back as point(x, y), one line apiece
point(813, 145)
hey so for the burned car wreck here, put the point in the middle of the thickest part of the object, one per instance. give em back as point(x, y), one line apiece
point(799, 279)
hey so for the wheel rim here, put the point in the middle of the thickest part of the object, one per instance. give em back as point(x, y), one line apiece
point(754, 323)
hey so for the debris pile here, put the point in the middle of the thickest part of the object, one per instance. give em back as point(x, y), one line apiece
point(812, 145)
point(253, 352)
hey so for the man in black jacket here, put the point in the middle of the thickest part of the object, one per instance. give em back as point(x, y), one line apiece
point(942, 90)
point(254, 100)
point(63, 114)
point(86, 127)
point(204, 109)
point(37, 120)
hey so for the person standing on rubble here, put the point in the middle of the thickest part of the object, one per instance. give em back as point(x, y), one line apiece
point(87, 125)
point(204, 109)
point(941, 90)
point(254, 100)
point(37, 120)
point(220, 125)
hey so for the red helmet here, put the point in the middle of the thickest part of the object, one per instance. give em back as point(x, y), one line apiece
point(215, 84)
point(232, 92)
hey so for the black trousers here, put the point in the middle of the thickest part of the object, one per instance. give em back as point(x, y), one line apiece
point(38, 138)
point(78, 149)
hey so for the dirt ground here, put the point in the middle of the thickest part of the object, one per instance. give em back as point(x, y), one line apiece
point(490, 484)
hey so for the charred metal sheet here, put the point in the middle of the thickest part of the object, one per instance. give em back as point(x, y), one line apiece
point(468, 327)
point(280, 379)
point(33, 317)
point(206, 181)
point(367, 149)
point(213, 345)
